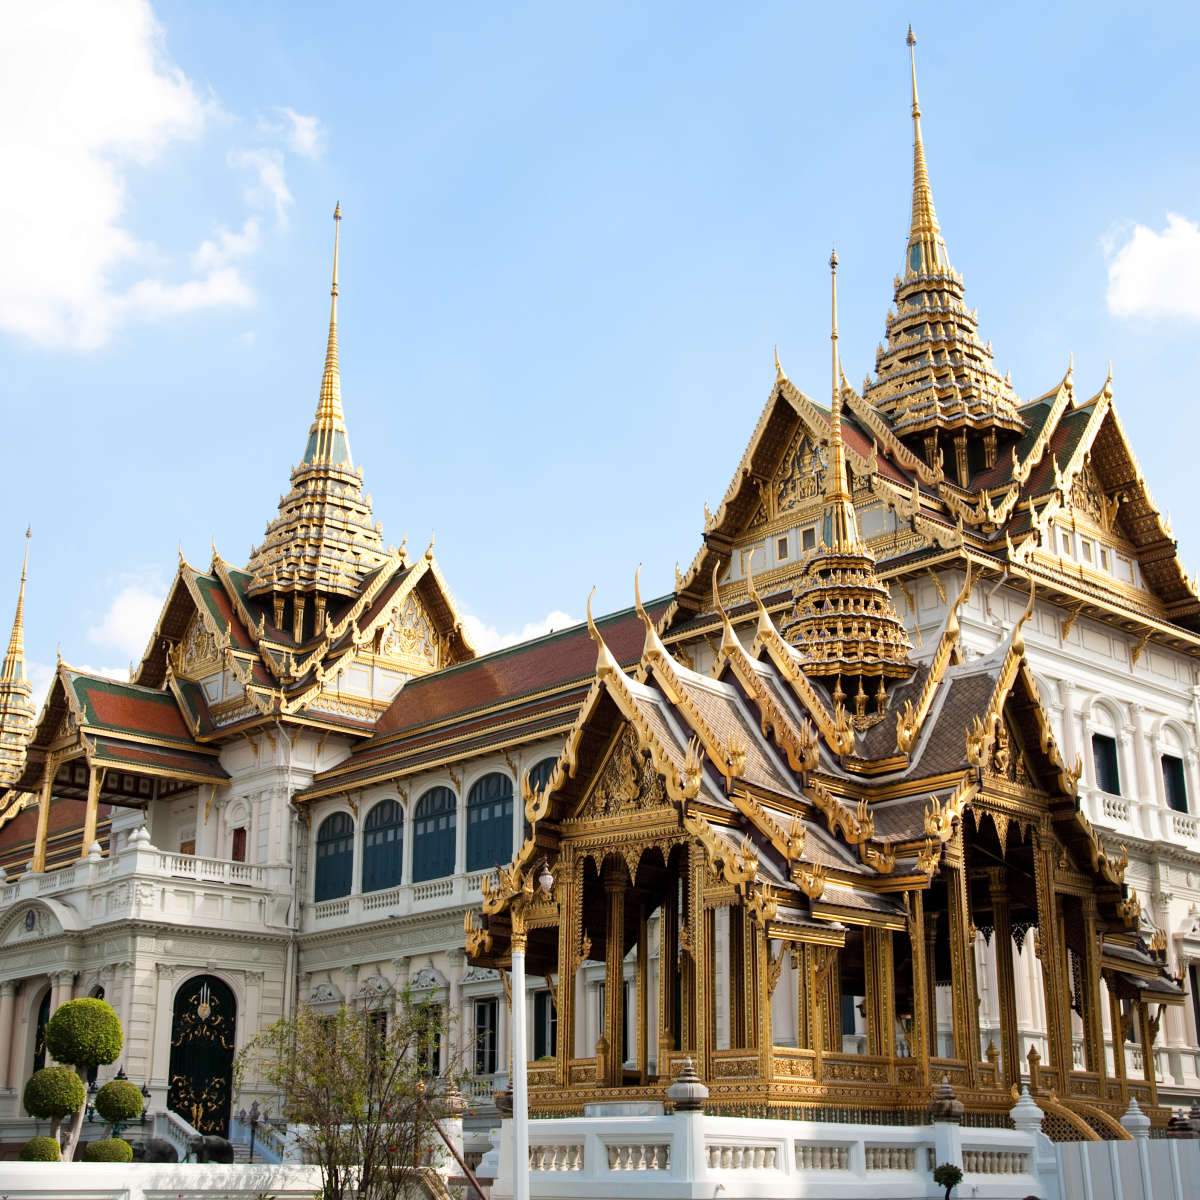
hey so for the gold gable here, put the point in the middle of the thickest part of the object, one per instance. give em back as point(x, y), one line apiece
point(627, 782)
point(410, 635)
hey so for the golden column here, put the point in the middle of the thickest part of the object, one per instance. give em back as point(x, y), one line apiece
point(38, 862)
point(570, 939)
point(642, 998)
point(1053, 957)
point(95, 783)
point(668, 969)
point(881, 992)
point(615, 884)
point(962, 959)
point(921, 1044)
point(739, 978)
point(1010, 1040)
point(698, 990)
point(1092, 1014)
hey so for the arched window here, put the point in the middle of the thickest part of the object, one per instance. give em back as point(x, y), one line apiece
point(489, 822)
point(383, 846)
point(335, 857)
point(434, 823)
point(539, 773)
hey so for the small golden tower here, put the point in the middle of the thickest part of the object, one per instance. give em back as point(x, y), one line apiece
point(16, 695)
point(843, 621)
point(935, 380)
point(325, 541)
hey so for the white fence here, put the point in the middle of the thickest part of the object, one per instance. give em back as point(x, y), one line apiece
point(1162, 1169)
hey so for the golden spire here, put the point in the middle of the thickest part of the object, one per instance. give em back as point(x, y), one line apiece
point(328, 441)
point(13, 670)
point(840, 532)
point(926, 249)
point(16, 694)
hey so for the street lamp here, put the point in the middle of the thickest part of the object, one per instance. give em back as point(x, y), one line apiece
point(520, 1072)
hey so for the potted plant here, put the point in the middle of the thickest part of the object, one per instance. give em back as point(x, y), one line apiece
point(947, 1175)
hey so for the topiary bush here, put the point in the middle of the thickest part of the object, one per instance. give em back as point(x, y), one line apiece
point(119, 1102)
point(84, 1033)
point(108, 1150)
point(41, 1149)
point(53, 1093)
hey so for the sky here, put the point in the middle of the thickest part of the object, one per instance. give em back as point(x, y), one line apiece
point(572, 236)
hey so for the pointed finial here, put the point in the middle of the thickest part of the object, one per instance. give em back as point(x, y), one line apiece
point(779, 372)
point(926, 249)
point(13, 669)
point(328, 441)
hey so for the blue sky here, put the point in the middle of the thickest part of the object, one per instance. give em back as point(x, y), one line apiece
point(572, 236)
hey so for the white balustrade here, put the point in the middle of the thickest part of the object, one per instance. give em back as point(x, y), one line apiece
point(891, 1158)
point(556, 1157)
point(640, 1156)
point(995, 1162)
point(738, 1156)
point(817, 1157)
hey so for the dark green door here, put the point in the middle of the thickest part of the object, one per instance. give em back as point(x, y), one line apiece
point(202, 1044)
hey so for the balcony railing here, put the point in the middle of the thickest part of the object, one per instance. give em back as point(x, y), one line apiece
point(398, 901)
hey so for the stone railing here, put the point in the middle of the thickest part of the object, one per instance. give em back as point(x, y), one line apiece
point(143, 882)
point(1133, 817)
point(400, 901)
point(171, 1127)
point(693, 1154)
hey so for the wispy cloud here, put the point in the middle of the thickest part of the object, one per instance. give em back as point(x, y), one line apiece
point(269, 189)
point(486, 638)
point(1155, 273)
point(128, 622)
point(227, 245)
point(305, 135)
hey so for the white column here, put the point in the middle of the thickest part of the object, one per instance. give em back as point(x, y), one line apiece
point(160, 1054)
point(356, 867)
point(520, 1081)
point(7, 991)
point(455, 1015)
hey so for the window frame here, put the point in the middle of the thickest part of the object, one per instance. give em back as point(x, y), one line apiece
point(446, 835)
point(376, 839)
point(489, 833)
point(1107, 743)
point(345, 854)
point(1175, 792)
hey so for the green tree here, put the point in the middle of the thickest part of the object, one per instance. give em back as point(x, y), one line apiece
point(360, 1089)
point(83, 1033)
point(947, 1175)
point(41, 1149)
point(108, 1150)
point(52, 1094)
point(118, 1102)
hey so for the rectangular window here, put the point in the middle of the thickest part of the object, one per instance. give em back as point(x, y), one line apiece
point(486, 1023)
point(429, 1042)
point(1104, 755)
point(808, 538)
point(1086, 549)
point(238, 852)
point(188, 846)
point(1105, 558)
point(1064, 539)
point(781, 549)
point(1174, 783)
point(545, 1025)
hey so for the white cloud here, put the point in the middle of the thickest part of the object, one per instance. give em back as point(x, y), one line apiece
point(86, 91)
point(486, 638)
point(305, 135)
point(270, 188)
point(227, 245)
point(1155, 273)
point(129, 620)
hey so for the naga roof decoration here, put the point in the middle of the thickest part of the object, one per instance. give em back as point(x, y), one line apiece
point(324, 538)
point(935, 373)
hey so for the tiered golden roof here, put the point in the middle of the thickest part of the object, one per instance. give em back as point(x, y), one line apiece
point(325, 538)
point(935, 373)
point(16, 694)
point(843, 621)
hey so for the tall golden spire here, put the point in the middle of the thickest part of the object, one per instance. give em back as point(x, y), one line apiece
point(13, 670)
point(926, 249)
point(325, 538)
point(840, 532)
point(328, 441)
point(16, 695)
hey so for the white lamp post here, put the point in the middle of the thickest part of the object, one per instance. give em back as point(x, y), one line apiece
point(520, 1058)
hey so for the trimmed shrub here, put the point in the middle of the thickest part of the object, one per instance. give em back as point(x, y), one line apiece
point(41, 1149)
point(108, 1150)
point(54, 1092)
point(119, 1101)
point(84, 1033)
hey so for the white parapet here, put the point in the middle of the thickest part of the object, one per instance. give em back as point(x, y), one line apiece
point(691, 1155)
point(140, 1181)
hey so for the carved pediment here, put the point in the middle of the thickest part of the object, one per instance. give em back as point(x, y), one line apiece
point(197, 653)
point(627, 782)
point(1007, 760)
point(410, 634)
point(801, 474)
point(1088, 499)
point(29, 925)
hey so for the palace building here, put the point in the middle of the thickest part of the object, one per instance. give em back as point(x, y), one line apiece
point(898, 785)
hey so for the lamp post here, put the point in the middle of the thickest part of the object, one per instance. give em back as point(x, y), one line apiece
point(520, 1058)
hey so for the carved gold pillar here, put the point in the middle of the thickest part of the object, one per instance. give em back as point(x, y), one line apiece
point(1147, 1040)
point(1010, 1041)
point(802, 968)
point(698, 991)
point(643, 997)
point(615, 883)
point(832, 1032)
point(1117, 1022)
point(1054, 962)
point(92, 812)
point(931, 924)
point(710, 956)
point(760, 949)
point(38, 863)
point(881, 992)
point(738, 981)
point(570, 939)
point(1093, 1022)
point(919, 1041)
point(668, 967)
point(962, 963)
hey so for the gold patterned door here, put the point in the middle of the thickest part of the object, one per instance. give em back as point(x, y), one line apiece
point(202, 1045)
